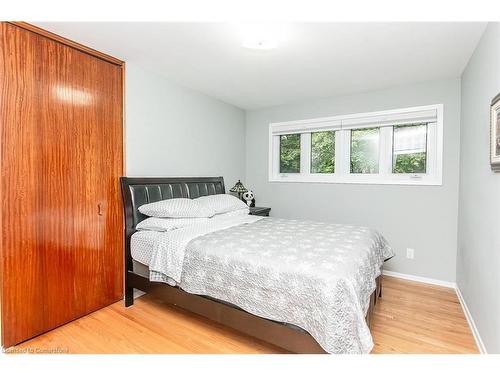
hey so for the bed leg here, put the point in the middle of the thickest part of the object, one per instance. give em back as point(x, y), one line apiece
point(129, 296)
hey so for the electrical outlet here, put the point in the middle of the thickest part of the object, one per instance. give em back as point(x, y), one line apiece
point(410, 253)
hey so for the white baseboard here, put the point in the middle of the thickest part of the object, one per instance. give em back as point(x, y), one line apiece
point(472, 324)
point(448, 284)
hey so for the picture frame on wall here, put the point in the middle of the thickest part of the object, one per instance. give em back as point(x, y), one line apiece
point(495, 134)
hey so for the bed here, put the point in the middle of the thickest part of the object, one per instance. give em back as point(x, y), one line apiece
point(305, 286)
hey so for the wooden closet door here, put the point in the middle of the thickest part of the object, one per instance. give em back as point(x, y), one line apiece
point(61, 158)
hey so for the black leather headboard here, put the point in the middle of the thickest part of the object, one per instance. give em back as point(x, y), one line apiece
point(137, 191)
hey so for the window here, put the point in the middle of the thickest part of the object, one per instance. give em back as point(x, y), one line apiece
point(290, 153)
point(401, 146)
point(323, 152)
point(364, 150)
point(409, 153)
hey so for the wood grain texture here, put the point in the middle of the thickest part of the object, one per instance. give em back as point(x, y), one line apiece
point(410, 318)
point(61, 158)
point(67, 42)
point(420, 318)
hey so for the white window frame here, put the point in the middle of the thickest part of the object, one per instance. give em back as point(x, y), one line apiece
point(343, 125)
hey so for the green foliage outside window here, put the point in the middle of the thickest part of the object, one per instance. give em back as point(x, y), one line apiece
point(323, 152)
point(410, 163)
point(409, 156)
point(290, 153)
point(364, 150)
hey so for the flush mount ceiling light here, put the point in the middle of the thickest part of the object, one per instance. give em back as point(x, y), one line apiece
point(261, 36)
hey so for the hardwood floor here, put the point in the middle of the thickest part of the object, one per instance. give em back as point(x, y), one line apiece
point(410, 318)
point(420, 318)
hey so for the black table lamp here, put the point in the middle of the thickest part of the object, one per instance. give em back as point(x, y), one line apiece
point(238, 188)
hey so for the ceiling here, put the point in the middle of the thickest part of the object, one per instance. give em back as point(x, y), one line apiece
point(314, 60)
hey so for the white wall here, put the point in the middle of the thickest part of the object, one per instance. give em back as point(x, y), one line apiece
point(173, 131)
point(421, 217)
point(478, 263)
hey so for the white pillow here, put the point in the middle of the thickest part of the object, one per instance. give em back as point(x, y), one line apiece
point(221, 203)
point(165, 224)
point(176, 208)
point(236, 213)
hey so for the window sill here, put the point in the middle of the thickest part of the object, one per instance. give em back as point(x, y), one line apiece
point(363, 180)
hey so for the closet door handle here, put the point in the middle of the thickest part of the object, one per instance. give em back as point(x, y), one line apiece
point(99, 209)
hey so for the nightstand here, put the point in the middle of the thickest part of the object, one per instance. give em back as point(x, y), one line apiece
point(259, 211)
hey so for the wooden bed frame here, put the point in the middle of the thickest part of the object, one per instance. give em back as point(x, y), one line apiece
point(139, 191)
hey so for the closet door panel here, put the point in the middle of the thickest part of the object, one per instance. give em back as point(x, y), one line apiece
point(111, 202)
point(73, 129)
point(20, 199)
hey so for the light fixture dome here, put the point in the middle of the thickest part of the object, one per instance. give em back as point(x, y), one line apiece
point(261, 36)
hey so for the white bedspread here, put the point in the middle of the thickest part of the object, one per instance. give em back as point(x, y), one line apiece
point(317, 276)
point(170, 248)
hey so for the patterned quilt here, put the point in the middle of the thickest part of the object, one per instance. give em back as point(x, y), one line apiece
point(317, 276)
